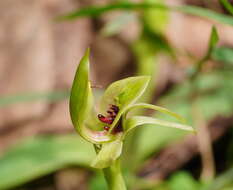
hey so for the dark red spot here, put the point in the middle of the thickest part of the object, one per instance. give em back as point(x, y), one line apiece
point(114, 108)
point(111, 113)
point(106, 128)
point(104, 119)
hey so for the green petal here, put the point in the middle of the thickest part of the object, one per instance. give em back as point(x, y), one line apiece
point(108, 154)
point(136, 121)
point(157, 108)
point(123, 93)
point(81, 104)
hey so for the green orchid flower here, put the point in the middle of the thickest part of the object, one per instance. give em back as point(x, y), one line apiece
point(108, 127)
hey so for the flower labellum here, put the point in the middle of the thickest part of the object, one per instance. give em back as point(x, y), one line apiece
point(112, 112)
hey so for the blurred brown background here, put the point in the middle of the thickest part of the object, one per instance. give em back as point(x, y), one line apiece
point(40, 55)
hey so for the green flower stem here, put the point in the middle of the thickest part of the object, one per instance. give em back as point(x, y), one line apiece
point(114, 176)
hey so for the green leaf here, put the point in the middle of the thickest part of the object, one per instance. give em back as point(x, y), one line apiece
point(227, 5)
point(206, 13)
point(161, 16)
point(214, 90)
point(123, 93)
point(81, 104)
point(41, 156)
point(157, 108)
point(108, 154)
point(222, 181)
point(223, 54)
point(212, 41)
point(117, 24)
point(183, 180)
point(94, 11)
point(33, 97)
point(136, 121)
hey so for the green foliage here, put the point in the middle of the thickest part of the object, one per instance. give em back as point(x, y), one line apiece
point(214, 95)
point(183, 180)
point(117, 24)
point(213, 40)
point(41, 156)
point(223, 54)
point(227, 5)
point(223, 182)
point(94, 11)
point(32, 97)
point(161, 15)
point(206, 13)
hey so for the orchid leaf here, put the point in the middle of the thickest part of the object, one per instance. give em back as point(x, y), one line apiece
point(136, 121)
point(108, 154)
point(123, 93)
point(39, 156)
point(81, 103)
point(157, 108)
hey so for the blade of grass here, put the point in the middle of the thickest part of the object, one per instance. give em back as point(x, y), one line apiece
point(213, 40)
point(94, 11)
point(41, 156)
point(206, 13)
point(33, 96)
point(227, 5)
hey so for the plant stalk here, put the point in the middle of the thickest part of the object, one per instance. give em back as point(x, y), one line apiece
point(114, 176)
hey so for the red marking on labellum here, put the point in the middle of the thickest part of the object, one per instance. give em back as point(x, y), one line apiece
point(104, 119)
point(114, 108)
point(112, 112)
point(106, 128)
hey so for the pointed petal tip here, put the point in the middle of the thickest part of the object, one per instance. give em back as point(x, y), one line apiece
point(146, 78)
point(87, 52)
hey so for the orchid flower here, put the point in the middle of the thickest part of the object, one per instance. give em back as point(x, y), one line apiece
point(108, 126)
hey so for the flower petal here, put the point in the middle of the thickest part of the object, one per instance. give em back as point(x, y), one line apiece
point(81, 104)
point(108, 154)
point(123, 93)
point(137, 121)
